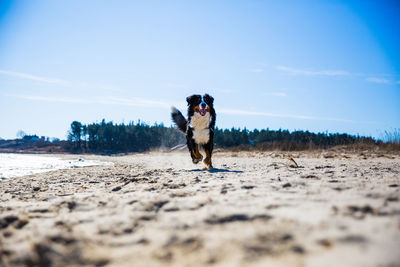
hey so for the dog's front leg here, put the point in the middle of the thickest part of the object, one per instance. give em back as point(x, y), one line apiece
point(208, 149)
point(194, 151)
point(197, 154)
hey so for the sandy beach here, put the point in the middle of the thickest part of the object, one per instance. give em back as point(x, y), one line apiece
point(253, 209)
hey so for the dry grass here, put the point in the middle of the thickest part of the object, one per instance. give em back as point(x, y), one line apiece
point(378, 147)
point(392, 137)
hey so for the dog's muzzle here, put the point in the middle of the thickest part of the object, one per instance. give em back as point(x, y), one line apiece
point(203, 108)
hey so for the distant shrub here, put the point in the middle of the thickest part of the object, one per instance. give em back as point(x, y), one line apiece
point(392, 136)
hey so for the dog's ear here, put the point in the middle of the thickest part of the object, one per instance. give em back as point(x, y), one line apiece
point(191, 99)
point(209, 98)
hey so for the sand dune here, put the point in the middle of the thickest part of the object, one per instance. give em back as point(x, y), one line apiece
point(254, 209)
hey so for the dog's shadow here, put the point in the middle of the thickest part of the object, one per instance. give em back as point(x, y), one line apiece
point(215, 170)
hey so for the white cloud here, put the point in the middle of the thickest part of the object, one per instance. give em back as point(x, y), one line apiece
point(137, 102)
point(104, 87)
point(224, 91)
point(32, 77)
point(52, 99)
point(377, 80)
point(280, 94)
point(274, 115)
point(104, 100)
point(80, 85)
point(151, 103)
point(256, 70)
point(174, 85)
point(311, 72)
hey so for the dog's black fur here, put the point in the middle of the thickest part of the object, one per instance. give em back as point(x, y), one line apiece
point(199, 127)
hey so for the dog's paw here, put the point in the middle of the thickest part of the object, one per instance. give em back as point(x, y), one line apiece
point(195, 161)
point(208, 168)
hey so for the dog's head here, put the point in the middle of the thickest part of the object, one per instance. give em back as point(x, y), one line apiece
point(200, 104)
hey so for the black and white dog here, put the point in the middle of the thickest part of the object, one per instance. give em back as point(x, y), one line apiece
point(199, 127)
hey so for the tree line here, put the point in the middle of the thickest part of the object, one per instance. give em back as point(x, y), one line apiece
point(115, 138)
point(267, 139)
point(109, 137)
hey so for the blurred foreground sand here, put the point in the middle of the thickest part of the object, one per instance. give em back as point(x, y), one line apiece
point(254, 209)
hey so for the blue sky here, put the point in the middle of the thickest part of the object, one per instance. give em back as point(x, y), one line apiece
point(309, 65)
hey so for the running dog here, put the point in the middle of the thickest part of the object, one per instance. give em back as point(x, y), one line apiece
point(198, 127)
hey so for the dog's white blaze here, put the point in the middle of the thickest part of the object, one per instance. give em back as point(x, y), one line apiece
point(200, 124)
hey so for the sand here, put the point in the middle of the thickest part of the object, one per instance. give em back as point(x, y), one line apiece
point(254, 209)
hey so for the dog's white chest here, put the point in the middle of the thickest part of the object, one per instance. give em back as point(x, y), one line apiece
point(201, 136)
point(200, 124)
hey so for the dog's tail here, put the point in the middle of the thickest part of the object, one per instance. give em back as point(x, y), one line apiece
point(178, 119)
